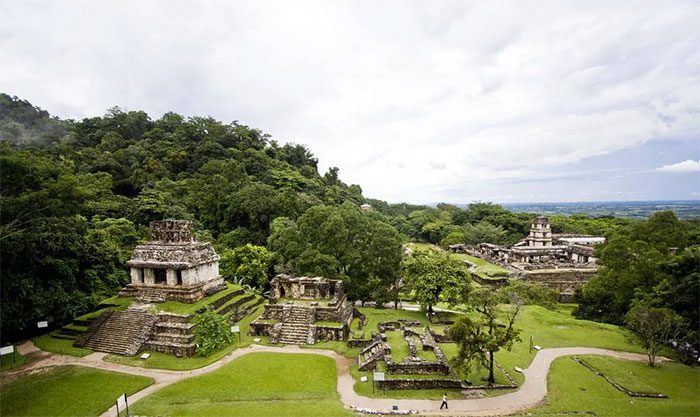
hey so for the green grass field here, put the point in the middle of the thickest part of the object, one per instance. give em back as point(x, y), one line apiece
point(257, 384)
point(62, 346)
point(165, 361)
point(575, 388)
point(67, 391)
point(11, 361)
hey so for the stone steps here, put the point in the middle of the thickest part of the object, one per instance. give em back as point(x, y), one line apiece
point(123, 332)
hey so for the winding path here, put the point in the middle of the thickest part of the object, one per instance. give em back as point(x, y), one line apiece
point(531, 392)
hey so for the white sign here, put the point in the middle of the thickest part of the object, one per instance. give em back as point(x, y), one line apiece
point(7, 350)
point(235, 329)
point(42, 324)
point(145, 356)
point(379, 376)
point(537, 347)
point(363, 379)
point(121, 402)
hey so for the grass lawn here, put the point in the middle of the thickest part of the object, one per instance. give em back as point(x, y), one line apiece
point(575, 388)
point(12, 361)
point(67, 391)
point(62, 346)
point(483, 268)
point(160, 360)
point(557, 328)
point(257, 384)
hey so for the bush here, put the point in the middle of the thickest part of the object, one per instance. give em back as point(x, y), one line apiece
point(213, 332)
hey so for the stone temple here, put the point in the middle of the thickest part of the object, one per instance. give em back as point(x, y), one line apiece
point(305, 310)
point(172, 265)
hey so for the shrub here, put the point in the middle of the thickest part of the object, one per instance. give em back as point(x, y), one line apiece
point(213, 332)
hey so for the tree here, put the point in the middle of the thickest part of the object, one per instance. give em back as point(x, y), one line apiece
point(479, 339)
point(434, 276)
point(247, 263)
point(340, 242)
point(484, 232)
point(654, 326)
point(212, 331)
point(452, 238)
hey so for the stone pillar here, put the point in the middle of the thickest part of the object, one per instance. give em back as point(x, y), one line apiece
point(171, 279)
point(149, 277)
point(136, 276)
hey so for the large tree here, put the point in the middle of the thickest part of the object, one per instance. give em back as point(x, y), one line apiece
point(434, 276)
point(655, 327)
point(340, 242)
point(492, 330)
point(247, 264)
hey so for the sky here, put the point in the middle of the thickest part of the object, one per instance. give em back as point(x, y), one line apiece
point(415, 101)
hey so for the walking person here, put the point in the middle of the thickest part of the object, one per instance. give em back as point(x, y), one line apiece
point(444, 402)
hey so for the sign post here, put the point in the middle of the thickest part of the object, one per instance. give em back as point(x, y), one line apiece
point(236, 329)
point(8, 350)
point(121, 401)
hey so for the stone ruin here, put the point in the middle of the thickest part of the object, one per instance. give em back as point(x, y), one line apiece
point(561, 262)
point(172, 265)
point(296, 306)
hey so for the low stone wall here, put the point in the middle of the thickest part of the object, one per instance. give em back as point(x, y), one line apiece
point(173, 349)
point(415, 368)
point(493, 282)
point(419, 384)
point(260, 329)
point(326, 333)
point(360, 343)
point(564, 280)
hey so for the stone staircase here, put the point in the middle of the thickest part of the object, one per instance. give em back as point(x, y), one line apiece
point(122, 332)
point(295, 327)
point(370, 355)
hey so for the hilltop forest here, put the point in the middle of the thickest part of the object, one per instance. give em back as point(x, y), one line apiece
point(78, 195)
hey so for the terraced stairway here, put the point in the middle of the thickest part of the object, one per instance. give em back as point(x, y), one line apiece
point(295, 328)
point(123, 332)
point(173, 334)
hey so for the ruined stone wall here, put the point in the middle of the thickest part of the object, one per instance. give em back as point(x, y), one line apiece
point(564, 281)
point(326, 333)
point(419, 384)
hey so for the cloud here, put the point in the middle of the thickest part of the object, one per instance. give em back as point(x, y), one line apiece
point(408, 99)
point(682, 167)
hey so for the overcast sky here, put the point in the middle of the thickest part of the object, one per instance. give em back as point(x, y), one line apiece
point(418, 101)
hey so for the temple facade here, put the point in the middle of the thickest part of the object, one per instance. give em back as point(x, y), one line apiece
point(173, 265)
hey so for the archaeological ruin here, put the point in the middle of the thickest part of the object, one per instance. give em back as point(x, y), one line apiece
point(304, 310)
point(558, 261)
point(172, 265)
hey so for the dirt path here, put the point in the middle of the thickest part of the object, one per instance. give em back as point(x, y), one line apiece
point(532, 391)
